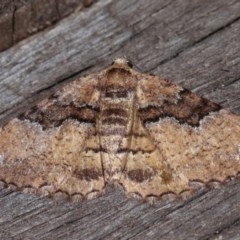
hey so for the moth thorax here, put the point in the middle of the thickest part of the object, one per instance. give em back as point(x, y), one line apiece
point(115, 122)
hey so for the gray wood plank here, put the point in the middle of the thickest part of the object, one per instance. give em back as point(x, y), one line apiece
point(194, 43)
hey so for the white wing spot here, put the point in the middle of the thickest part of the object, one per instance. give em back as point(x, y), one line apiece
point(2, 158)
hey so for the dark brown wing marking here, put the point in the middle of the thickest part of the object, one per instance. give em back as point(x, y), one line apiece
point(55, 115)
point(188, 109)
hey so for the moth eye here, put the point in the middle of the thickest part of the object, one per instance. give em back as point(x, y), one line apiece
point(129, 63)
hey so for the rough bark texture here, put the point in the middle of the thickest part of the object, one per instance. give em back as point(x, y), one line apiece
point(192, 43)
point(22, 18)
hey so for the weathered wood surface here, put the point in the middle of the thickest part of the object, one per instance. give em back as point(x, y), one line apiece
point(193, 43)
point(20, 19)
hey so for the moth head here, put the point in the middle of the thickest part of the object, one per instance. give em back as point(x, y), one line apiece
point(119, 79)
point(122, 63)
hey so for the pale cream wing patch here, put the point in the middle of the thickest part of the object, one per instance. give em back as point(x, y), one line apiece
point(206, 153)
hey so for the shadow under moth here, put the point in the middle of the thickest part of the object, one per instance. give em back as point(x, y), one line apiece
point(142, 132)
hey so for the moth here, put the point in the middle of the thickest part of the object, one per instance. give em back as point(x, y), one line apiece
point(140, 131)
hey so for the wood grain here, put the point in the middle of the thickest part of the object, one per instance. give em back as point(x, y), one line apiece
point(19, 19)
point(194, 43)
